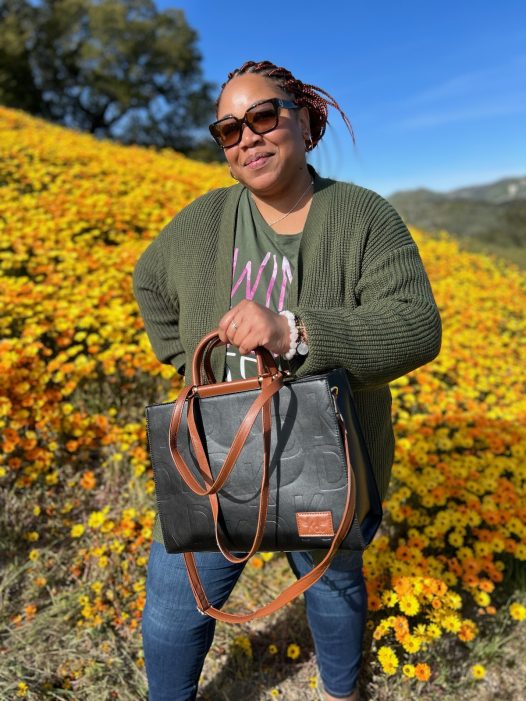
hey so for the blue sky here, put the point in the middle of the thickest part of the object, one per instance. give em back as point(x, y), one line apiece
point(435, 91)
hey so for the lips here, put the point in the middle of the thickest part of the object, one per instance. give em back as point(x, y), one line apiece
point(257, 158)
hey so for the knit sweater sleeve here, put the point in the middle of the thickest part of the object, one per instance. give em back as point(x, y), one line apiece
point(395, 326)
point(159, 309)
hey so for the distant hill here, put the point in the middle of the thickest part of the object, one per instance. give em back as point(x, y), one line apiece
point(492, 214)
point(506, 190)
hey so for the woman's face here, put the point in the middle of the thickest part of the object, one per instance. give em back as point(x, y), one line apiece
point(265, 163)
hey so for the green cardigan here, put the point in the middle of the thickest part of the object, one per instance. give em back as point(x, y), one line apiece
point(362, 293)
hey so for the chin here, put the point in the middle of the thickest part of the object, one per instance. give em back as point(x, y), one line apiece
point(260, 182)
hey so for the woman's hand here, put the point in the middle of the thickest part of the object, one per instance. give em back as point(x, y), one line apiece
point(256, 326)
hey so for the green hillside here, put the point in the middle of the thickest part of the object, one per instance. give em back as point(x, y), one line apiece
point(490, 218)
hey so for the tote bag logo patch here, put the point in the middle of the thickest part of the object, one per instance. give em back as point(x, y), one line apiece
point(315, 523)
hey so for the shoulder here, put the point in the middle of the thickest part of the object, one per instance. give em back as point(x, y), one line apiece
point(371, 217)
point(360, 204)
point(201, 217)
point(366, 202)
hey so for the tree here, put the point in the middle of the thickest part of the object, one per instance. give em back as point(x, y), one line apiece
point(17, 87)
point(115, 68)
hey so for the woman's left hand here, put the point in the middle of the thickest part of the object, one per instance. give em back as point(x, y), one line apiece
point(256, 326)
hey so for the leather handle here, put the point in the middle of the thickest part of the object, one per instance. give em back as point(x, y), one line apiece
point(294, 590)
point(269, 388)
point(263, 496)
point(269, 385)
point(265, 361)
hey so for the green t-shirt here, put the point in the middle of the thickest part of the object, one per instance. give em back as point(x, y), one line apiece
point(263, 269)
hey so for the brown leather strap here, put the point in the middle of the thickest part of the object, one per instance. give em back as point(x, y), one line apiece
point(270, 388)
point(263, 497)
point(264, 358)
point(303, 583)
point(270, 385)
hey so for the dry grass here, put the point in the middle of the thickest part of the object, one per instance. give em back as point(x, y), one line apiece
point(229, 675)
point(104, 665)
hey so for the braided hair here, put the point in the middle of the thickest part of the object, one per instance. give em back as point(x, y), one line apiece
point(315, 99)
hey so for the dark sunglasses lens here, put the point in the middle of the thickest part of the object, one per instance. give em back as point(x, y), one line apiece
point(226, 133)
point(262, 118)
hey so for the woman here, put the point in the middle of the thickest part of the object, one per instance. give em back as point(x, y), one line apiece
point(323, 274)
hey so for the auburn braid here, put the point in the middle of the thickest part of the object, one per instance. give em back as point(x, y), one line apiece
point(315, 99)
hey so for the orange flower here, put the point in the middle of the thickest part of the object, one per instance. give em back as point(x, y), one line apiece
point(374, 602)
point(422, 672)
point(468, 631)
point(88, 480)
point(30, 611)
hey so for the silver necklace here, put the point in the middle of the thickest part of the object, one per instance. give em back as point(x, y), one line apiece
point(293, 206)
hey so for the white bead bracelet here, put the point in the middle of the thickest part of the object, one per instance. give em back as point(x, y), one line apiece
point(293, 334)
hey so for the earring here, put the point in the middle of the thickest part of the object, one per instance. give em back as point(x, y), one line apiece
point(309, 145)
point(232, 175)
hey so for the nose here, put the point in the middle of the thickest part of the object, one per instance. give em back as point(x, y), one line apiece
point(248, 137)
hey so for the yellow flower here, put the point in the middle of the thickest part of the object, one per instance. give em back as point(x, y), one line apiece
point(272, 649)
point(411, 644)
point(77, 530)
point(517, 611)
point(242, 642)
point(482, 598)
point(451, 623)
point(409, 670)
point(388, 659)
point(107, 526)
point(52, 478)
point(117, 546)
point(22, 689)
point(34, 555)
point(96, 519)
point(478, 671)
point(433, 631)
point(389, 598)
point(293, 651)
point(409, 605)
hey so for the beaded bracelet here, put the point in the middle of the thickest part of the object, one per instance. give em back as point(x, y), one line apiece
point(293, 334)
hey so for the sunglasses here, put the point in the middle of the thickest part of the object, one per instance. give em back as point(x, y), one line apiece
point(261, 118)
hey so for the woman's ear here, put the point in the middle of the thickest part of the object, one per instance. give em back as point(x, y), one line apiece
point(304, 121)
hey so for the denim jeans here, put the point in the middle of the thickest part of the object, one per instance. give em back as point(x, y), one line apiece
point(176, 637)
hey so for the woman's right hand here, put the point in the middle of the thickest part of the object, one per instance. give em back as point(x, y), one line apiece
point(249, 325)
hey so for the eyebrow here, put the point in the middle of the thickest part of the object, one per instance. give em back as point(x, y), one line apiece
point(258, 102)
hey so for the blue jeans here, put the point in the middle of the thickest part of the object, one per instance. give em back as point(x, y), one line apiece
point(176, 637)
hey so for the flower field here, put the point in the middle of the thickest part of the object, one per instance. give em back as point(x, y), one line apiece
point(448, 570)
